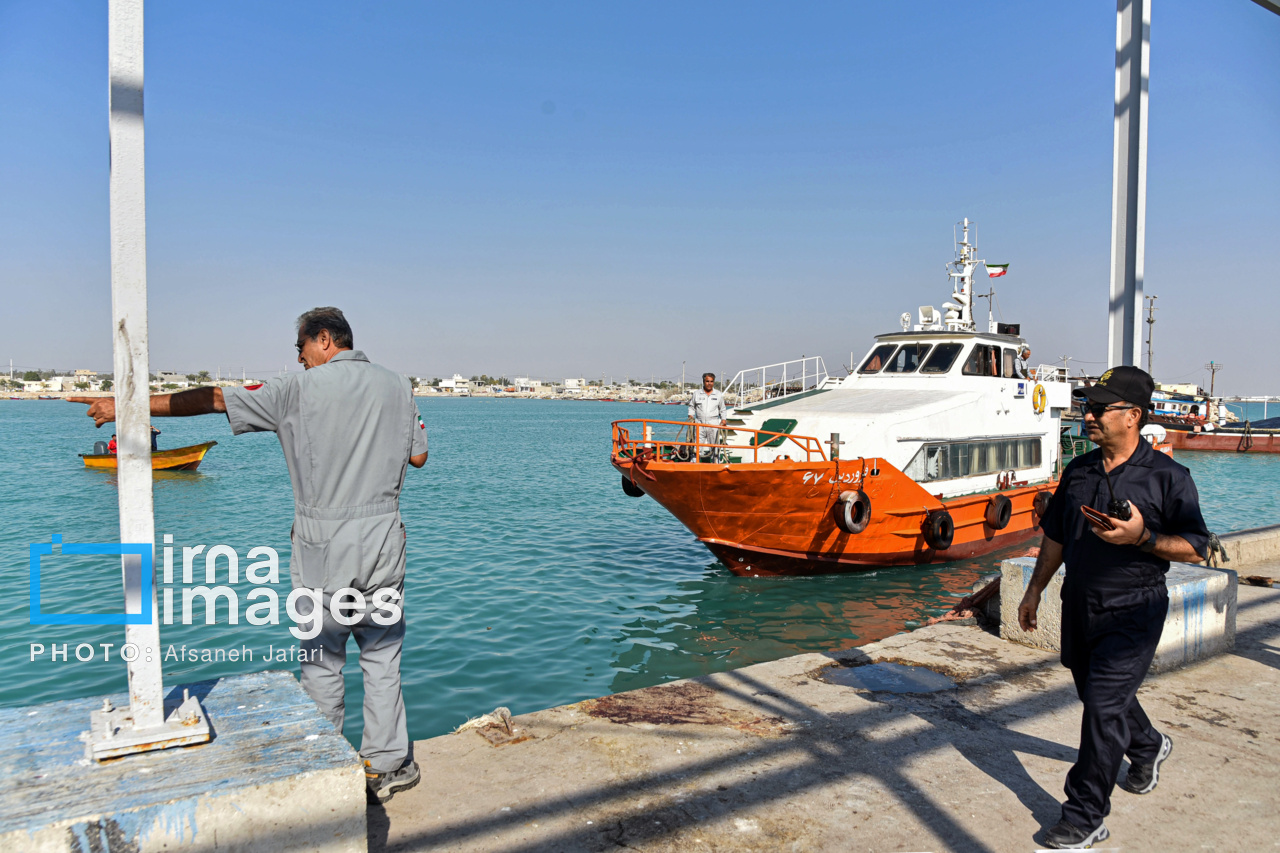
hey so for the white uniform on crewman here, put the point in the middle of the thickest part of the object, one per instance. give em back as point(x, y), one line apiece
point(707, 408)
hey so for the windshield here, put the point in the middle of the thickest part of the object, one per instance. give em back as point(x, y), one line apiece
point(907, 359)
point(944, 355)
point(878, 358)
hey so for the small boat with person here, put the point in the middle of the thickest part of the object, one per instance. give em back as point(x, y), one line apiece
point(176, 459)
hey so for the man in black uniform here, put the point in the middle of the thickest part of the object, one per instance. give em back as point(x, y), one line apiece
point(1114, 598)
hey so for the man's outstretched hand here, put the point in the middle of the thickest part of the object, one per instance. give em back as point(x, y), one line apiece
point(101, 409)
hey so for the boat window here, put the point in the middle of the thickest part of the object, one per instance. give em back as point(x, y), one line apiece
point(943, 356)
point(1010, 364)
point(879, 358)
point(907, 358)
point(958, 459)
point(983, 361)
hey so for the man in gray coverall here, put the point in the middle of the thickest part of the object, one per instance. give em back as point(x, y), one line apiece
point(706, 406)
point(349, 429)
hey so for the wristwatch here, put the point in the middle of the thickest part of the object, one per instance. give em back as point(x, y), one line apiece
point(1149, 544)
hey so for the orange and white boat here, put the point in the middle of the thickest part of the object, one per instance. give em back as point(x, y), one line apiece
point(937, 448)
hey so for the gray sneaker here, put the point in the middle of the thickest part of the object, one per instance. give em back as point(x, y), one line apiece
point(381, 787)
point(1068, 836)
point(1143, 778)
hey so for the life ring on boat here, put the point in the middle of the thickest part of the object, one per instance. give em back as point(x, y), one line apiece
point(999, 512)
point(853, 512)
point(939, 530)
point(631, 488)
point(1038, 400)
point(1041, 504)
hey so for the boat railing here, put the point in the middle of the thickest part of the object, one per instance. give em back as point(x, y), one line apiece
point(1049, 373)
point(775, 381)
point(682, 441)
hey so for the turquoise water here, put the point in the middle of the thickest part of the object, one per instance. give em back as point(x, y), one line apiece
point(533, 580)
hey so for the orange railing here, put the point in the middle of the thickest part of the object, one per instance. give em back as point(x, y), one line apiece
point(681, 441)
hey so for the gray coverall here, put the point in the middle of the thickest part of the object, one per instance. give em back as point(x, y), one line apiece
point(347, 428)
point(707, 408)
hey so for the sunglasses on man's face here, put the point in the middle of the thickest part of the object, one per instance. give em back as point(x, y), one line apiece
point(1098, 409)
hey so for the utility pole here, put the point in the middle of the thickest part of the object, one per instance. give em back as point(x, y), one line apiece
point(1213, 367)
point(1151, 328)
point(1129, 180)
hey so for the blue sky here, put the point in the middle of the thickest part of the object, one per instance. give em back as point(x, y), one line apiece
point(574, 189)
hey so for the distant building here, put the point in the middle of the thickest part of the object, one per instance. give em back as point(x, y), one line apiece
point(457, 385)
point(167, 378)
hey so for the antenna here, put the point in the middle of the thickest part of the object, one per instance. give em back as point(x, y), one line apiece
point(1213, 367)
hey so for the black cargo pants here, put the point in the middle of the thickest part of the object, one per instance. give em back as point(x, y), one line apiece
point(1109, 638)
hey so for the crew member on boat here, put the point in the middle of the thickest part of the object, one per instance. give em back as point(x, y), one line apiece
point(348, 429)
point(112, 447)
point(154, 444)
point(1021, 364)
point(706, 406)
point(1114, 598)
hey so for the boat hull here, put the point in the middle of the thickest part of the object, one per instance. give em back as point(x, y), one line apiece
point(782, 518)
point(175, 459)
point(1225, 441)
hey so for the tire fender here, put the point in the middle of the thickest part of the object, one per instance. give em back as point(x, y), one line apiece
point(1041, 504)
point(999, 512)
point(939, 529)
point(631, 488)
point(853, 512)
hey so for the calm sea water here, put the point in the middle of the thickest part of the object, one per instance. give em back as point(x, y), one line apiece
point(533, 580)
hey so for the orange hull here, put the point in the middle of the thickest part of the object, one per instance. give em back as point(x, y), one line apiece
point(781, 518)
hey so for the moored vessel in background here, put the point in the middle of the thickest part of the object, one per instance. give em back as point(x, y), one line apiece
point(940, 446)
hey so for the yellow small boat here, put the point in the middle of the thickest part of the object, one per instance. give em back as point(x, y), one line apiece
point(177, 459)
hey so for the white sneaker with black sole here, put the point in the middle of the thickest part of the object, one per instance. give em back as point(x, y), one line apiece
point(1143, 778)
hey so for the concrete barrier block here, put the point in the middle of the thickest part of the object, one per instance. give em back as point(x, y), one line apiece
point(1014, 577)
point(1250, 547)
point(276, 776)
point(1202, 615)
point(1201, 621)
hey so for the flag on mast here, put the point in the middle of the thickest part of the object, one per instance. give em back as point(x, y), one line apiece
point(997, 270)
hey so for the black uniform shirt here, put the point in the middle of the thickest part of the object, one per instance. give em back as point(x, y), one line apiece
point(1160, 488)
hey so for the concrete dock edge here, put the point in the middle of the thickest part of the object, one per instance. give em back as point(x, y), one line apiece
point(276, 776)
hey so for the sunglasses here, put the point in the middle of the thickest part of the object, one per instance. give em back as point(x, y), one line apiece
point(1098, 409)
point(299, 345)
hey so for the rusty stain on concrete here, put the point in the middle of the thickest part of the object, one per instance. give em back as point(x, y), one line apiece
point(686, 703)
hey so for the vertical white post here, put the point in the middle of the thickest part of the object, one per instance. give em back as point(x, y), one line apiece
point(129, 328)
point(1129, 180)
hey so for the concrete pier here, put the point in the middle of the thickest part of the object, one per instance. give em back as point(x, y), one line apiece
point(276, 776)
point(799, 754)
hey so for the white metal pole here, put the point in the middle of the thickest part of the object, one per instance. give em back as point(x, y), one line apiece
point(129, 327)
point(1129, 180)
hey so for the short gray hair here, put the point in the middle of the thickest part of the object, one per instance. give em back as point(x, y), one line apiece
point(328, 319)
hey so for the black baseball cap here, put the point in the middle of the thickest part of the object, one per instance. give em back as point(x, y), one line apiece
point(1125, 383)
